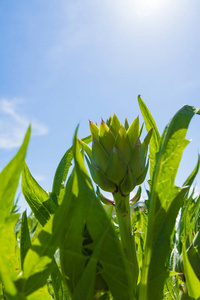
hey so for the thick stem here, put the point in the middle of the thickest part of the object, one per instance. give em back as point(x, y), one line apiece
point(127, 238)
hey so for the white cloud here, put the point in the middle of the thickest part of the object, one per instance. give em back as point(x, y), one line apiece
point(13, 124)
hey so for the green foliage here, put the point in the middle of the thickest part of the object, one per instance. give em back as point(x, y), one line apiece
point(9, 179)
point(25, 241)
point(74, 247)
point(63, 168)
point(90, 249)
point(165, 202)
point(192, 281)
point(39, 201)
point(9, 251)
point(155, 140)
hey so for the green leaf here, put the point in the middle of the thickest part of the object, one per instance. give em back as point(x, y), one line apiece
point(171, 291)
point(62, 171)
point(86, 284)
point(9, 248)
point(88, 238)
point(155, 139)
point(126, 125)
point(188, 219)
point(9, 251)
point(38, 262)
point(197, 215)
point(36, 197)
point(25, 242)
point(192, 282)
point(104, 199)
point(146, 141)
point(137, 196)
point(9, 179)
point(1, 291)
point(165, 201)
point(63, 167)
point(198, 111)
point(192, 176)
point(7, 281)
point(60, 292)
point(40, 294)
point(9, 256)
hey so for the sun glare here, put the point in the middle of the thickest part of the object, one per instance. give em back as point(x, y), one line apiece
point(145, 8)
point(140, 8)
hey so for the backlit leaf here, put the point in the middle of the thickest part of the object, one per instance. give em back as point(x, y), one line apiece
point(9, 179)
point(38, 200)
point(25, 242)
point(165, 201)
point(155, 139)
point(192, 282)
point(88, 238)
point(63, 167)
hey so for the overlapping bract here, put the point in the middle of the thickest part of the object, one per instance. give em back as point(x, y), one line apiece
point(117, 160)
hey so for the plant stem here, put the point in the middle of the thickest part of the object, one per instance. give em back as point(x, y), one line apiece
point(127, 238)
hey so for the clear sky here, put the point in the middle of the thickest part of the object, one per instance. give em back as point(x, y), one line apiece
point(65, 62)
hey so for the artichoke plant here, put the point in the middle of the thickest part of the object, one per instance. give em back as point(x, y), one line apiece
point(117, 160)
point(117, 163)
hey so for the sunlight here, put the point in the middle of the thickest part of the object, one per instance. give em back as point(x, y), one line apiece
point(145, 8)
point(140, 8)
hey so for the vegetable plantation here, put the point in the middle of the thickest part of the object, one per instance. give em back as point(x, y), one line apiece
point(79, 245)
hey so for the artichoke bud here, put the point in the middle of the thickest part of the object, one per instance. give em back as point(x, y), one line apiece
point(106, 138)
point(104, 182)
point(134, 131)
point(117, 160)
point(115, 125)
point(94, 131)
point(117, 168)
point(109, 121)
point(123, 144)
point(137, 160)
point(128, 183)
point(99, 156)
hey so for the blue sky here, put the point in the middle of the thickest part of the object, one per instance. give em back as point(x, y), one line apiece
point(65, 62)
